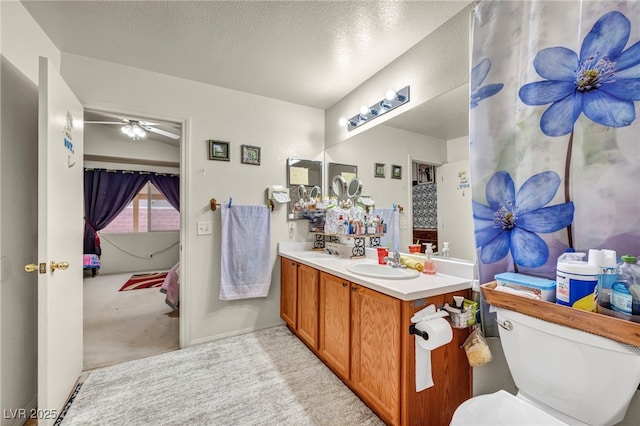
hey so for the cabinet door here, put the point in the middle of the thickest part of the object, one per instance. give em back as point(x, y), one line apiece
point(308, 305)
point(288, 291)
point(375, 350)
point(335, 323)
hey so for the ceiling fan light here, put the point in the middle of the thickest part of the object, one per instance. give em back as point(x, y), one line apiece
point(138, 131)
point(127, 129)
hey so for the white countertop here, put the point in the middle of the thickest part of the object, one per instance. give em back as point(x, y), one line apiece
point(459, 275)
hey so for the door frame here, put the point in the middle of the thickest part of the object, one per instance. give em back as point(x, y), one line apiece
point(185, 195)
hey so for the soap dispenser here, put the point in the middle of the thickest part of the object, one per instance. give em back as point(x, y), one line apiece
point(429, 266)
point(445, 249)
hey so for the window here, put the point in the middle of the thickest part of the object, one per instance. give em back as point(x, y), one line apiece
point(149, 211)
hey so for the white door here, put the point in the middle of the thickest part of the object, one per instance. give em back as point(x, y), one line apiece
point(60, 230)
point(455, 214)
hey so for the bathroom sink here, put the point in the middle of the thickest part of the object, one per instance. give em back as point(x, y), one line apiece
point(375, 270)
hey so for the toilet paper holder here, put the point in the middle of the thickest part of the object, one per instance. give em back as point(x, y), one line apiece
point(414, 330)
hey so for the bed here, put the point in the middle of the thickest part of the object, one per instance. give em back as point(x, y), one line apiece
point(171, 286)
point(91, 261)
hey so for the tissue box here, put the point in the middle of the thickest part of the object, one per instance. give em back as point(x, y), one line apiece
point(545, 289)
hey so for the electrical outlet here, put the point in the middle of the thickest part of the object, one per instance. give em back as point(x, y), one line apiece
point(204, 228)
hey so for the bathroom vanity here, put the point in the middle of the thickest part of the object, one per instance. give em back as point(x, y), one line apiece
point(359, 327)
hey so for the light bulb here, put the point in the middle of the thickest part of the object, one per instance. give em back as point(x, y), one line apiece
point(138, 131)
point(390, 95)
point(364, 110)
point(126, 129)
point(342, 122)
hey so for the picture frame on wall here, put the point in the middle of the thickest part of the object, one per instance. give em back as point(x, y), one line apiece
point(379, 170)
point(396, 172)
point(218, 150)
point(426, 173)
point(250, 155)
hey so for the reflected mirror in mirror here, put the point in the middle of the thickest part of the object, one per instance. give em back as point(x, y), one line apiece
point(315, 193)
point(354, 189)
point(346, 171)
point(302, 177)
point(339, 187)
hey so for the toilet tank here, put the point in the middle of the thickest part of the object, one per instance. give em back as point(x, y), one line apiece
point(581, 375)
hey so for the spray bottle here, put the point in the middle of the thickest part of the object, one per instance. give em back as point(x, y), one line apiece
point(429, 266)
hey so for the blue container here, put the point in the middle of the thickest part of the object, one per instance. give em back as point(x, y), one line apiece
point(543, 288)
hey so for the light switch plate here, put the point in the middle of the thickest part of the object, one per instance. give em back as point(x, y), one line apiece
point(204, 228)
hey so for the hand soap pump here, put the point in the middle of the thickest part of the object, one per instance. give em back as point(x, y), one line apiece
point(429, 266)
point(445, 249)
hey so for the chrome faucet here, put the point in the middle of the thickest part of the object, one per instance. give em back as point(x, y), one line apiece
point(394, 260)
point(332, 251)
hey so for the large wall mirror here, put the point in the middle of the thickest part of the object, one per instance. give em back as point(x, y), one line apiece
point(347, 171)
point(434, 134)
point(304, 180)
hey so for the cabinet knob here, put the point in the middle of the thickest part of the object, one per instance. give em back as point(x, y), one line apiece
point(344, 284)
point(353, 288)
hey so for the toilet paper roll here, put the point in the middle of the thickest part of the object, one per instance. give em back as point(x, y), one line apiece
point(440, 333)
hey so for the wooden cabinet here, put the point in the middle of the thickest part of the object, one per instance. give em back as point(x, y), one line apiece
point(375, 351)
point(363, 337)
point(335, 324)
point(308, 305)
point(289, 292)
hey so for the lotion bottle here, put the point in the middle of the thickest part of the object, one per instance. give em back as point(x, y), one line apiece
point(429, 266)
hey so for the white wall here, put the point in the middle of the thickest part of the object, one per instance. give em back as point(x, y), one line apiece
point(22, 41)
point(281, 129)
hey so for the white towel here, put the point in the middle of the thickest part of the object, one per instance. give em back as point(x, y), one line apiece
point(246, 252)
point(392, 237)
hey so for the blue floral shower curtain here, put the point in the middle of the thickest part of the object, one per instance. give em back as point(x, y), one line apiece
point(554, 133)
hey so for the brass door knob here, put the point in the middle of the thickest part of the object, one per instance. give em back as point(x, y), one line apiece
point(59, 265)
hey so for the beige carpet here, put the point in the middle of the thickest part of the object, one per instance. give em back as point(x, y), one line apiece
point(125, 325)
point(263, 378)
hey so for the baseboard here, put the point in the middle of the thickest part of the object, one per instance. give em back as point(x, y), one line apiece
point(20, 419)
point(215, 337)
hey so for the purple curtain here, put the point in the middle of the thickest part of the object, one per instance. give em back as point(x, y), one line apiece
point(106, 194)
point(169, 186)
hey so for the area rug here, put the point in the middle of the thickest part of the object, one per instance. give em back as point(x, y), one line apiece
point(268, 377)
point(138, 281)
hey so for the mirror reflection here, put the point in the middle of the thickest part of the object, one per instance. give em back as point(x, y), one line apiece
point(303, 178)
point(431, 143)
point(345, 171)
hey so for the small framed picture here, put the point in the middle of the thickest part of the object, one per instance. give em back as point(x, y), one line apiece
point(218, 150)
point(251, 155)
point(396, 172)
point(379, 170)
point(426, 173)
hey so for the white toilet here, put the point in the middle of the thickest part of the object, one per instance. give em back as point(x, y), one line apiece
point(564, 376)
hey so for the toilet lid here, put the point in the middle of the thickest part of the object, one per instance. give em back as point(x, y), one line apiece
point(501, 409)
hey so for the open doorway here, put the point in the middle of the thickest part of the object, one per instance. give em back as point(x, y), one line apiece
point(126, 315)
point(424, 200)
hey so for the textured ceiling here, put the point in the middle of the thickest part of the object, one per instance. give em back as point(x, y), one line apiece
point(307, 52)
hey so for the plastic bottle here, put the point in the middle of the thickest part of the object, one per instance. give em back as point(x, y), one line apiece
point(429, 266)
point(445, 249)
point(628, 275)
point(576, 281)
point(607, 276)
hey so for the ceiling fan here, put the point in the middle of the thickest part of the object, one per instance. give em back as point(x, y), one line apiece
point(136, 129)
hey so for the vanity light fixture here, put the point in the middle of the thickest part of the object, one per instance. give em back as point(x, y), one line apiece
point(392, 100)
point(133, 130)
